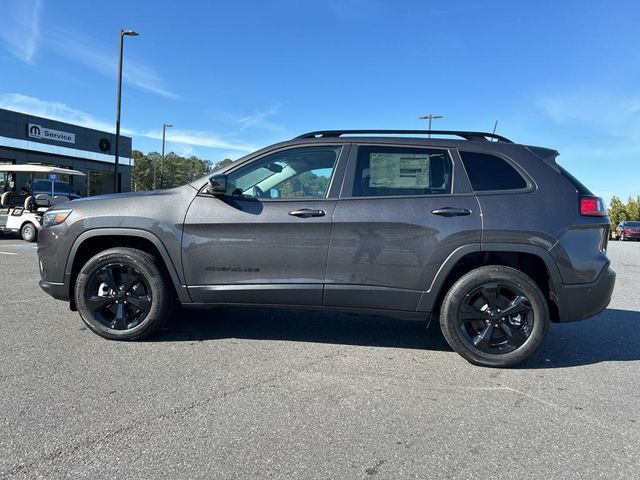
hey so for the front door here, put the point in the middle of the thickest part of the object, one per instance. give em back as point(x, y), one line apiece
point(403, 211)
point(266, 240)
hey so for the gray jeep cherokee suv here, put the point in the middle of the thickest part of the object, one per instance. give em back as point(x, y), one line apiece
point(493, 238)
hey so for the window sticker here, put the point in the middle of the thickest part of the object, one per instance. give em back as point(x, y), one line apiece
point(399, 170)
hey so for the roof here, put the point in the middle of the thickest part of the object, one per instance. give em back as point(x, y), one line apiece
point(482, 136)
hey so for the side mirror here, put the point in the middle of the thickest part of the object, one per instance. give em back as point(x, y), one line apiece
point(218, 184)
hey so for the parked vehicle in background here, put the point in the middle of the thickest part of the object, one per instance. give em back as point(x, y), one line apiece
point(23, 212)
point(627, 230)
point(492, 239)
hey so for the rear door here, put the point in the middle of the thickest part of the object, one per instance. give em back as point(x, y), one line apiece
point(402, 211)
point(266, 241)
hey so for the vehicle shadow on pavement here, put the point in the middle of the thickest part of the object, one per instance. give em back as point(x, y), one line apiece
point(301, 326)
point(612, 336)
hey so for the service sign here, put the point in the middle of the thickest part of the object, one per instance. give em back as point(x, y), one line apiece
point(42, 133)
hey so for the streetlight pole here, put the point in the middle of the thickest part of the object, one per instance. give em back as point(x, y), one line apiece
point(164, 134)
point(130, 33)
point(429, 117)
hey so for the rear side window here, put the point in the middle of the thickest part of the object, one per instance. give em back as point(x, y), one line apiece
point(392, 171)
point(489, 172)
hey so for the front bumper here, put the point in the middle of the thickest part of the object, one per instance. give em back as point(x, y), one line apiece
point(59, 291)
point(580, 301)
point(630, 235)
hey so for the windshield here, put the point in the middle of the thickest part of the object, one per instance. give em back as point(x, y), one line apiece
point(632, 224)
point(44, 186)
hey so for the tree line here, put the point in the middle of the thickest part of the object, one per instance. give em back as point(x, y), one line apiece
point(150, 172)
point(619, 211)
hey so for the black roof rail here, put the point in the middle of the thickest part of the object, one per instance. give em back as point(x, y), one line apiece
point(466, 135)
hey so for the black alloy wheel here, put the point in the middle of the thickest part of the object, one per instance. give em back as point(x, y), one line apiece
point(494, 316)
point(118, 296)
point(123, 294)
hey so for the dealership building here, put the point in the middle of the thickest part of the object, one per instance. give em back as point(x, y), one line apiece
point(26, 139)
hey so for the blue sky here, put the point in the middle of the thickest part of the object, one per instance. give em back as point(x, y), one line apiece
point(235, 76)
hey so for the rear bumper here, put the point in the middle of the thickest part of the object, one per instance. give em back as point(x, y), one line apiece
point(580, 301)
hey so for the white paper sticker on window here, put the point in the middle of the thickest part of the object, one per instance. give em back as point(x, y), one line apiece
point(399, 170)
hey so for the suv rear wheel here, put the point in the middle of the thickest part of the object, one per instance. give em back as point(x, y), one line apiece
point(494, 316)
point(123, 294)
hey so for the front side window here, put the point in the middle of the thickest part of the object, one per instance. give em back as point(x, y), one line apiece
point(291, 174)
point(392, 171)
point(489, 172)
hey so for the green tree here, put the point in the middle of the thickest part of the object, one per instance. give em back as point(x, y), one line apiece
point(633, 208)
point(617, 211)
point(151, 171)
point(141, 172)
point(222, 163)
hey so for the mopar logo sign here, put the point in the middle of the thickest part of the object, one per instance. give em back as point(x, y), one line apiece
point(42, 133)
point(34, 131)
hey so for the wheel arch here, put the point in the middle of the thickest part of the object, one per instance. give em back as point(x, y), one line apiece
point(532, 260)
point(93, 241)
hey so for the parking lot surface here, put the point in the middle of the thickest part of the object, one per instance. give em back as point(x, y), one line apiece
point(266, 393)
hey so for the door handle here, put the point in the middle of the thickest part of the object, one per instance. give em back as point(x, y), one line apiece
point(307, 213)
point(451, 212)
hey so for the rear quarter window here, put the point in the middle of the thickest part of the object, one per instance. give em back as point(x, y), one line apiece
point(580, 188)
point(489, 172)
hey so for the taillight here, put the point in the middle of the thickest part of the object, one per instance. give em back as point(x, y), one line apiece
point(592, 206)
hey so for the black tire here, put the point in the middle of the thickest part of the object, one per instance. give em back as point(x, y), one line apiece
point(479, 332)
point(123, 294)
point(29, 232)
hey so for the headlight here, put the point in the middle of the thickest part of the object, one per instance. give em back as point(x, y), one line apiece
point(54, 217)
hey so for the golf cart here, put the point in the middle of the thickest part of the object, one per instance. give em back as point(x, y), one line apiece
point(22, 212)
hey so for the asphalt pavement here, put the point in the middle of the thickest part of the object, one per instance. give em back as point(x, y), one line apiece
point(266, 393)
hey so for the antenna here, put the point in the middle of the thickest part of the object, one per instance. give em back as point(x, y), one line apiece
point(495, 125)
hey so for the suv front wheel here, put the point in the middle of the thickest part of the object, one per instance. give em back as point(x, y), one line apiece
point(494, 316)
point(123, 294)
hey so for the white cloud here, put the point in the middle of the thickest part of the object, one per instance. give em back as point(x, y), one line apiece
point(54, 110)
point(103, 58)
point(20, 28)
point(62, 112)
point(198, 138)
point(258, 119)
point(180, 149)
point(611, 114)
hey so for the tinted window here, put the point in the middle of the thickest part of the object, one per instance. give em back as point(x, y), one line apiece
point(488, 172)
point(385, 171)
point(294, 173)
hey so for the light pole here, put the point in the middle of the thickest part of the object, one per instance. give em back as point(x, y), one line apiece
point(130, 33)
point(429, 117)
point(164, 134)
